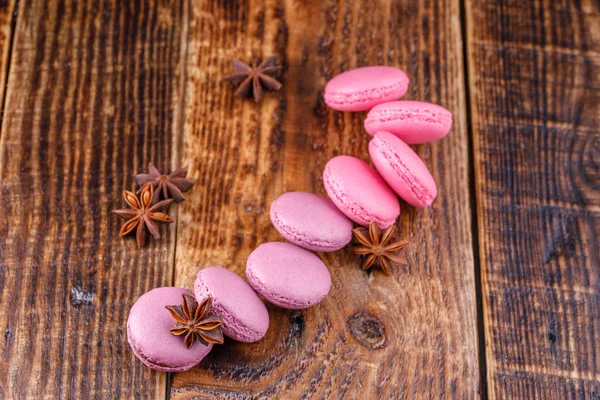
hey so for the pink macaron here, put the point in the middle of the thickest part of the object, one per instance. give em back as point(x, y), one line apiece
point(412, 121)
point(402, 169)
point(148, 333)
point(359, 192)
point(311, 221)
point(245, 317)
point(287, 275)
point(362, 88)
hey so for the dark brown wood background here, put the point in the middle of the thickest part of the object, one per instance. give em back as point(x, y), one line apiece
point(500, 293)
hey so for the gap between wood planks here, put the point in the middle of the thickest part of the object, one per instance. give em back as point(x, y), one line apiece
point(178, 144)
point(474, 211)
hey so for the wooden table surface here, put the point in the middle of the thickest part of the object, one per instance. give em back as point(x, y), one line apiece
point(500, 294)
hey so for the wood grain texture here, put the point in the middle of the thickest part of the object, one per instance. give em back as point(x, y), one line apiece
point(535, 100)
point(412, 335)
point(7, 18)
point(92, 96)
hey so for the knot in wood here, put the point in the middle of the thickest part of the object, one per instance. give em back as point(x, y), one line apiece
point(367, 329)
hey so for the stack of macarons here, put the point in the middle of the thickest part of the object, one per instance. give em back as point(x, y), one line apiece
point(290, 275)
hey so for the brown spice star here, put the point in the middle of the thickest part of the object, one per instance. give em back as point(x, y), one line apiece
point(252, 80)
point(143, 214)
point(376, 247)
point(170, 186)
point(194, 322)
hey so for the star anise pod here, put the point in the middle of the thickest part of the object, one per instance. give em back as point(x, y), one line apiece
point(143, 214)
point(252, 80)
point(170, 186)
point(194, 322)
point(379, 248)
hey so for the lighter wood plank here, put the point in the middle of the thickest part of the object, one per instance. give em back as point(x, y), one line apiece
point(91, 96)
point(535, 100)
point(245, 155)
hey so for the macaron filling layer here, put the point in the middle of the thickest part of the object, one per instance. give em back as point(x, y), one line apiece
point(393, 91)
point(359, 213)
point(385, 115)
point(403, 172)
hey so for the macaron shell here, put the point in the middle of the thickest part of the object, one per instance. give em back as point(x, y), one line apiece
point(412, 121)
point(311, 221)
point(362, 88)
point(402, 169)
point(148, 327)
point(359, 192)
point(287, 275)
point(245, 317)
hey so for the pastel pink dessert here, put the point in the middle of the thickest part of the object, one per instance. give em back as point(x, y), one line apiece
point(412, 121)
point(362, 88)
point(359, 192)
point(402, 169)
point(245, 317)
point(148, 333)
point(287, 275)
point(311, 221)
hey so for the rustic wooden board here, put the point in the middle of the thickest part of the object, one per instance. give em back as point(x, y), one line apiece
point(412, 335)
point(535, 101)
point(92, 96)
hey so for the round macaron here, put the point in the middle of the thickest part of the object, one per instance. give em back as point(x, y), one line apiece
point(148, 333)
point(245, 317)
point(311, 221)
point(287, 275)
point(359, 192)
point(412, 121)
point(402, 169)
point(362, 88)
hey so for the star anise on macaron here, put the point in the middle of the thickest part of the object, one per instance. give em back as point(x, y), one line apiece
point(169, 186)
point(253, 80)
point(195, 323)
point(144, 214)
point(378, 248)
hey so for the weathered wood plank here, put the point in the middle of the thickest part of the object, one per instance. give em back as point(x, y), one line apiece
point(244, 156)
point(535, 100)
point(91, 98)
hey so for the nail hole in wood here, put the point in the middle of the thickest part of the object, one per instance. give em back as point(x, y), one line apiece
point(551, 336)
